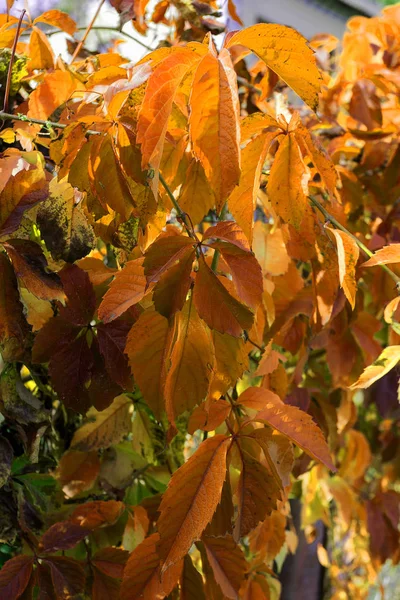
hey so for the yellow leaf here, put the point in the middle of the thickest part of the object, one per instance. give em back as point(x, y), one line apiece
point(104, 428)
point(348, 253)
point(386, 255)
point(383, 364)
point(40, 51)
point(287, 53)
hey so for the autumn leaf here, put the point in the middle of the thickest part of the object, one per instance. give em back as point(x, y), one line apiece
point(98, 513)
point(191, 499)
point(219, 309)
point(40, 51)
point(59, 19)
point(55, 90)
point(13, 326)
point(386, 361)
point(268, 537)
point(291, 422)
point(104, 428)
point(67, 575)
point(286, 180)
point(196, 185)
point(112, 341)
point(286, 52)
point(384, 256)
point(348, 253)
point(63, 223)
point(15, 575)
point(127, 289)
point(77, 472)
point(143, 577)
point(164, 253)
point(62, 536)
point(192, 360)
point(213, 123)
point(148, 348)
point(227, 562)
point(31, 268)
point(191, 582)
point(257, 495)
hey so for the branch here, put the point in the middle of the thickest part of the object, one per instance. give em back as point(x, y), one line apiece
point(362, 246)
point(10, 66)
point(89, 27)
point(222, 214)
point(5, 116)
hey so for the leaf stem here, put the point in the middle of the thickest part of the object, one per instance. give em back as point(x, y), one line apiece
point(362, 246)
point(89, 27)
point(222, 214)
point(10, 66)
point(175, 203)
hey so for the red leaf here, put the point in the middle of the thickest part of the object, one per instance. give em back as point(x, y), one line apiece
point(163, 254)
point(13, 326)
point(112, 341)
point(111, 561)
point(14, 577)
point(227, 562)
point(67, 576)
point(81, 299)
point(228, 231)
point(62, 536)
point(128, 288)
point(97, 514)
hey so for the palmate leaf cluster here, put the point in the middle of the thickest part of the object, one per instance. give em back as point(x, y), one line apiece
point(191, 333)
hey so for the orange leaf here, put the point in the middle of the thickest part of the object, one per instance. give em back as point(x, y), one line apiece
point(243, 200)
point(57, 18)
point(284, 188)
point(157, 104)
point(40, 51)
point(233, 13)
point(148, 348)
point(348, 253)
point(227, 562)
point(163, 254)
point(190, 501)
point(77, 472)
point(384, 256)
point(269, 536)
point(97, 514)
point(286, 52)
point(192, 361)
point(57, 87)
point(196, 185)
point(127, 289)
point(279, 453)
point(231, 362)
point(214, 123)
point(228, 231)
point(321, 161)
point(143, 578)
point(292, 422)
point(219, 309)
point(191, 583)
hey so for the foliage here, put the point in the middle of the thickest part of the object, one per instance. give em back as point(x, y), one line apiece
point(187, 319)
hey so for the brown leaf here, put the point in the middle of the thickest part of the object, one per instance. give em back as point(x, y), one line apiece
point(292, 422)
point(268, 537)
point(227, 562)
point(15, 576)
point(219, 309)
point(173, 286)
point(257, 495)
point(111, 561)
point(67, 575)
point(81, 299)
point(77, 472)
point(104, 428)
point(191, 582)
point(190, 501)
point(31, 267)
point(62, 536)
point(112, 341)
point(143, 578)
point(163, 254)
point(13, 326)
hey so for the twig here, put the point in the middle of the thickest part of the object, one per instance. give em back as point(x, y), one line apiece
point(89, 27)
point(108, 28)
point(10, 66)
point(248, 85)
point(222, 214)
point(5, 116)
point(362, 246)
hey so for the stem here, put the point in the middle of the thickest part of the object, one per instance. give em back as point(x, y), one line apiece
point(175, 204)
point(5, 116)
point(362, 246)
point(128, 35)
point(248, 85)
point(222, 214)
point(10, 66)
point(89, 27)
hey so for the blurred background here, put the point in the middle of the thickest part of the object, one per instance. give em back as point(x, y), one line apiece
point(307, 16)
